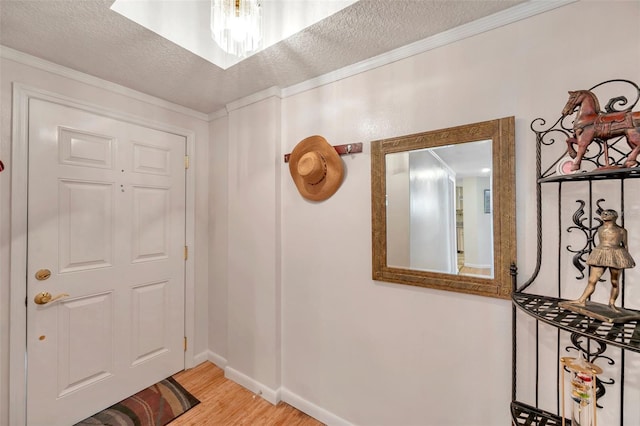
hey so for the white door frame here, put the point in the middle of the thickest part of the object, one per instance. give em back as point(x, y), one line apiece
point(22, 94)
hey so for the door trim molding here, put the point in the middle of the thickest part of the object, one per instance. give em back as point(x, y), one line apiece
point(22, 94)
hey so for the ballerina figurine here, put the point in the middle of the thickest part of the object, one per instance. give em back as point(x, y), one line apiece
point(611, 252)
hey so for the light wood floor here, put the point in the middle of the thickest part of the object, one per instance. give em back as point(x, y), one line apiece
point(223, 402)
point(468, 270)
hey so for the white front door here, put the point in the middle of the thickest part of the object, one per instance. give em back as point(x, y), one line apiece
point(106, 218)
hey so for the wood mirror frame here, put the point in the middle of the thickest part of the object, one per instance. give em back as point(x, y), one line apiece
point(501, 133)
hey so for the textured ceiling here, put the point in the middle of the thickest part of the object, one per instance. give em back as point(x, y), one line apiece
point(86, 35)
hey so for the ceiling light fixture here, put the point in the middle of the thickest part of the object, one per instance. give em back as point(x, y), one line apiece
point(236, 26)
point(225, 32)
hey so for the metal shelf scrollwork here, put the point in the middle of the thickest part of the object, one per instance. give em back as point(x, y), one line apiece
point(546, 309)
point(527, 415)
point(583, 145)
point(611, 152)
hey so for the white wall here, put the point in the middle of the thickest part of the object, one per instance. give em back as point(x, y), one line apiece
point(432, 216)
point(253, 295)
point(373, 353)
point(478, 230)
point(218, 240)
point(398, 217)
point(112, 97)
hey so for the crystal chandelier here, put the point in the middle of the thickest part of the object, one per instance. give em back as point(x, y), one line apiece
point(236, 26)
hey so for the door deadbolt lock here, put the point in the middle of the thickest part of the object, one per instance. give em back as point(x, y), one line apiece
point(46, 297)
point(43, 274)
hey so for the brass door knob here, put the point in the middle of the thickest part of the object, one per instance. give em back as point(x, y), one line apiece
point(45, 297)
point(43, 274)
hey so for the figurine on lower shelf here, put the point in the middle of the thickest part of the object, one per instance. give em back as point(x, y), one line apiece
point(610, 253)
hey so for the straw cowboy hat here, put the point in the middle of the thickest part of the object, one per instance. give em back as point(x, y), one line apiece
point(316, 168)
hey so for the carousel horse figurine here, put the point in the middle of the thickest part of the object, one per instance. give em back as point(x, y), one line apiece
point(592, 123)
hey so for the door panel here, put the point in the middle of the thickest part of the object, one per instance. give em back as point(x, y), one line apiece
point(84, 149)
point(86, 354)
point(85, 225)
point(107, 218)
point(150, 159)
point(147, 338)
point(151, 213)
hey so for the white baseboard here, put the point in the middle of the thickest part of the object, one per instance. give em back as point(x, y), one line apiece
point(311, 409)
point(200, 357)
point(218, 360)
point(477, 265)
point(274, 395)
point(271, 395)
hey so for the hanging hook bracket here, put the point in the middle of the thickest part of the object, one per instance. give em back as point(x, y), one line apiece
point(350, 148)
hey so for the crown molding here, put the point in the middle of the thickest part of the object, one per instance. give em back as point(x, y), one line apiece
point(26, 59)
point(508, 16)
point(488, 23)
point(221, 113)
point(273, 91)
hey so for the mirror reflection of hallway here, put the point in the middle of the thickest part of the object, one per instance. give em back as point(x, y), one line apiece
point(463, 267)
point(438, 205)
point(414, 222)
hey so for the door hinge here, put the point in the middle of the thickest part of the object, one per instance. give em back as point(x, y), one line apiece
point(186, 252)
point(185, 343)
point(186, 161)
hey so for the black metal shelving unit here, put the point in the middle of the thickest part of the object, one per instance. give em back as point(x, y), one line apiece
point(544, 308)
point(527, 415)
point(588, 335)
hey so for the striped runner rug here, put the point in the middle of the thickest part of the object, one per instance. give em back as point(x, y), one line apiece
point(156, 405)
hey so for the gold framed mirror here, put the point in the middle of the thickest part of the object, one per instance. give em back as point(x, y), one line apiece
point(443, 208)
